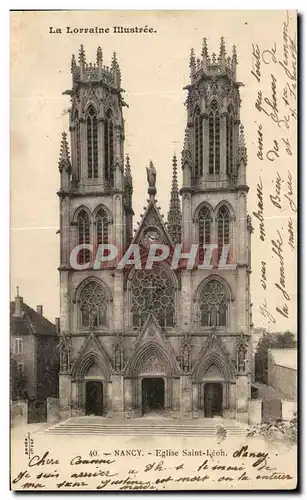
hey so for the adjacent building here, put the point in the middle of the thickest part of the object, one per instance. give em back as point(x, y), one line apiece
point(33, 353)
point(133, 339)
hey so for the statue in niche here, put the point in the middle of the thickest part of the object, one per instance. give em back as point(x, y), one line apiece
point(119, 355)
point(241, 356)
point(64, 361)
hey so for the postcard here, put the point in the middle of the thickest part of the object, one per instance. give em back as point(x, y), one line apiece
point(154, 222)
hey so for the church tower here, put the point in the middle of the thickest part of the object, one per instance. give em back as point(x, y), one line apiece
point(214, 212)
point(95, 208)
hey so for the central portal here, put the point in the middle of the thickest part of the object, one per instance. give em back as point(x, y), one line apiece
point(213, 399)
point(152, 394)
point(94, 398)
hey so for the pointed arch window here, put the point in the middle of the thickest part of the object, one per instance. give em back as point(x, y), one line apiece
point(198, 142)
point(153, 291)
point(213, 303)
point(214, 139)
point(93, 305)
point(223, 228)
point(83, 222)
point(78, 145)
point(229, 141)
point(204, 226)
point(101, 221)
point(108, 144)
point(92, 143)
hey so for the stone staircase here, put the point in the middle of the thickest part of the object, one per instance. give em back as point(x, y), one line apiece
point(146, 427)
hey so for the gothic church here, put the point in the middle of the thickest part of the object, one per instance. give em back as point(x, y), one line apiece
point(136, 340)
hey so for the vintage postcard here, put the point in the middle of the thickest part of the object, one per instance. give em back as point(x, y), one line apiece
point(154, 221)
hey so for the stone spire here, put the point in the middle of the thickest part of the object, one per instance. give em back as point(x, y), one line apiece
point(192, 62)
point(116, 70)
point(174, 215)
point(64, 160)
point(73, 63)
point(242, 152)
point(128, 176)
point(222, 55)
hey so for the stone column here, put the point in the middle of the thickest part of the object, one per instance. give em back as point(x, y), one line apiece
point(101, 152)
point(223, 145)
point(65, 395)
point(206, 143)
point(195, 405)
point(186, 396)
point(242, 397)
point(128, 393)
point(117, 394)
point(83, 148)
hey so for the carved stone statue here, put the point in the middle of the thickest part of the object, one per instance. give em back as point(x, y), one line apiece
point(151, 175)
point(119, 355)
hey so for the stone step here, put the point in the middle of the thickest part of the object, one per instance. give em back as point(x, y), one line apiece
point(142, 429)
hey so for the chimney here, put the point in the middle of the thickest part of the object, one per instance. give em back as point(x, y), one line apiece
point(39, 310)
point(18, 304)
point(57, 325)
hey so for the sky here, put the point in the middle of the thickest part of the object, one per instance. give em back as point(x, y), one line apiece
point(155, 68)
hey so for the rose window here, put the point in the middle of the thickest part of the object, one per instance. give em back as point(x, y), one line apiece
point(153, 291)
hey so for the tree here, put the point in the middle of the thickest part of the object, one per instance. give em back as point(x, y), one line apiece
point(270, 341)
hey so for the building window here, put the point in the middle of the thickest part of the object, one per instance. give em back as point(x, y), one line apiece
point(18, 346)
point(198, 134)
point(20, 369)
point(93, 305)
point(108, 145)
point(84, 254)
point(223, 229)
point(214, 139)
point(101, 227)
point(153, 291)
point(229, 141)
point(92, 143)
point(204, 226)
point(213, 303)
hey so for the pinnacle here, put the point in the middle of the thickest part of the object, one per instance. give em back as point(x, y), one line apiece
point(204, 51)
point(64, 160)
point(174, 214)
point(192, 58)
point(99, 55)
point(222, 48)
point(73, 62)
point(82, 55)
point(234, 55)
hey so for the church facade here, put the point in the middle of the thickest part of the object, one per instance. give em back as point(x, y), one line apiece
point(170, 338)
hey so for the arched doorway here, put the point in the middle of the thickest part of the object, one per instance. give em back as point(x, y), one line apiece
point(94, 397)
point(93, 391)
point(213, 399)
point(153, 390)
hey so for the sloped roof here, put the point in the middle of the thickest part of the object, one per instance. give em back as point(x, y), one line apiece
point(284, 357)
point(29, 322)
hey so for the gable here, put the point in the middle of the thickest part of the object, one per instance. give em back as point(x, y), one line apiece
point(152, 224)
point(152, 352)
point(91, 352)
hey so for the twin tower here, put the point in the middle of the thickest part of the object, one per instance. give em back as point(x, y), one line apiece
point(126, 335)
